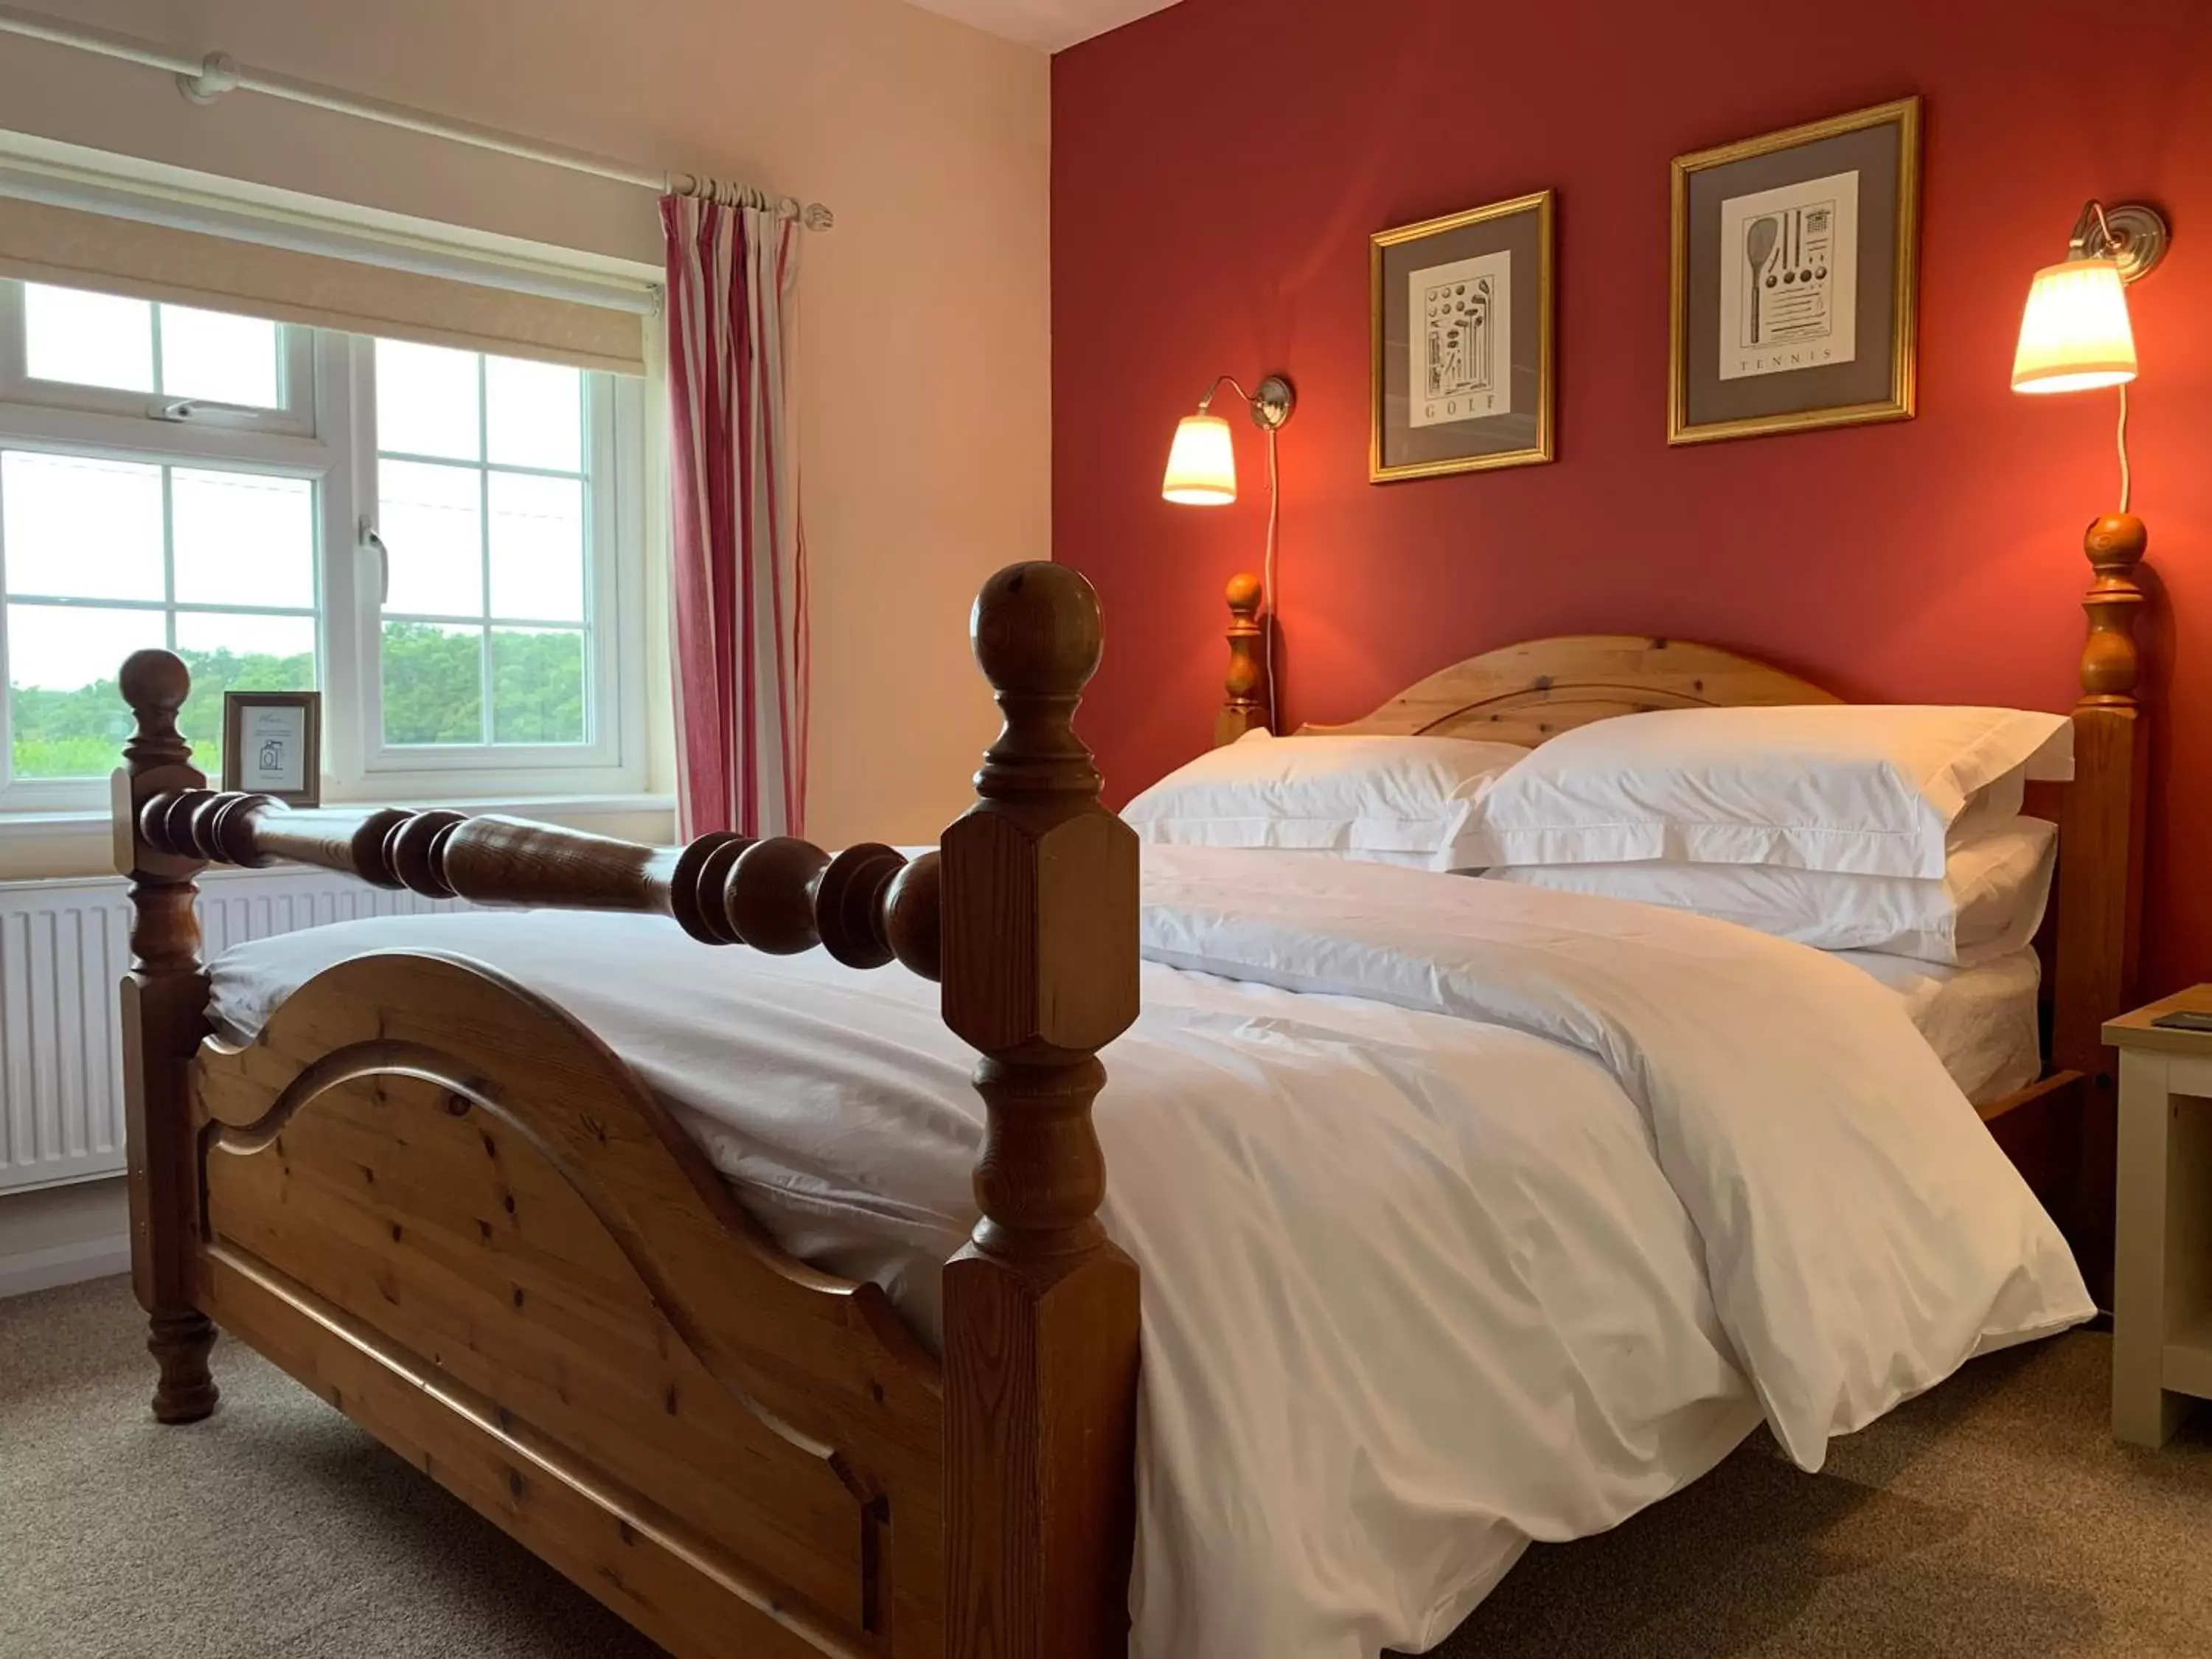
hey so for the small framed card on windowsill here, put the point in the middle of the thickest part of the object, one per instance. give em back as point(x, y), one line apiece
point(272, 744)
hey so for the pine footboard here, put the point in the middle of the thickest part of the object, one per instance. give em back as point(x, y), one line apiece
point(445, 1206)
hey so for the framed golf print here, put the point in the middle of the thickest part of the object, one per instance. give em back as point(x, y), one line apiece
point(1461, 321)
point(272, 744)
point(1795, 268)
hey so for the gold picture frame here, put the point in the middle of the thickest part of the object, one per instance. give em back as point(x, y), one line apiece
point(285, 729)
point(1520, 436)
point(1879, 147)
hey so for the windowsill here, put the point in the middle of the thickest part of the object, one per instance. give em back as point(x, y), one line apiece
point(31, 826)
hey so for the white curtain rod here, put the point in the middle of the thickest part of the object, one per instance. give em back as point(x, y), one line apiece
point(204, 80)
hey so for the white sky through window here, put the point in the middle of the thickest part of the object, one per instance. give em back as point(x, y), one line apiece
point(59, 649)
point(106, 340)
point(449, 425)
point(88, 529)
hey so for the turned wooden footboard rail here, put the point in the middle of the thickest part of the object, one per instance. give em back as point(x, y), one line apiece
point(1026, 915)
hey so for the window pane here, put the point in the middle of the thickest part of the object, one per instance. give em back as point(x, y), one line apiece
point(535, 413)
point(537, 547)
point(433, 683)
point(92, 339)
point(80, 528)
point(68, 718)
point(241, 538)
point(213, 354)
point(431, 518)
point(537, 686)
point(238, 654)
point(426, 400)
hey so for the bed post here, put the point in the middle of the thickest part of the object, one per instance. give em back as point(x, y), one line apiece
point(2100, 848)
point(1040, 972)
point(1246, 705)
point(164, 1016)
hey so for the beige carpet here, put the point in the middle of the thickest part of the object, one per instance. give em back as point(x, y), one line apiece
point(1994, 1518)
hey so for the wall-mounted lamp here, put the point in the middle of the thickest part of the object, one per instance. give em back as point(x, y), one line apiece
point(1202, 472)
point(2075, 335)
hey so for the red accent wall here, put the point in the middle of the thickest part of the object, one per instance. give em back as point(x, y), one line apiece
point(1218, 167)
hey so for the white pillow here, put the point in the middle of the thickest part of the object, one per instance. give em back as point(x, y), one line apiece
point(1988, 904)
point(1406, 795)
point(1374, 855)
point(1870, 789)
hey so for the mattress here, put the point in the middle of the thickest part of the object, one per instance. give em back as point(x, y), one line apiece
point(1983, 1022)
point(1469, 1214)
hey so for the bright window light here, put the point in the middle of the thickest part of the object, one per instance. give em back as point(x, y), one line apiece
point(77, 338)
point(222, 359)
point(96, 570)
point(426, 401)
point(483, 509)
point(88, 339)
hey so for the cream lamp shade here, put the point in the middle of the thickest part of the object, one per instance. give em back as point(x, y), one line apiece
point(1202, 465)
point(2075, 335)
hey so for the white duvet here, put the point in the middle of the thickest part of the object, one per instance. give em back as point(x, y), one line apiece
point(1469, 1214)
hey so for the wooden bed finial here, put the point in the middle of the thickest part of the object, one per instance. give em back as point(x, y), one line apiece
point(1246, 682)
point(2115, 546)
point(1039, 916)
point(164, 1004)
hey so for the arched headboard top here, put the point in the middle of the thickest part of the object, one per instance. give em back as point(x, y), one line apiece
point(1528, 692)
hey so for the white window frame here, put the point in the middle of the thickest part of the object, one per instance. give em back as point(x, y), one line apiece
point(331, 442)
point(296, 376)
point(609, 760)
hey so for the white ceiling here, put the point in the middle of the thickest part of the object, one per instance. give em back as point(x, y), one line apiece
point(1050, 24)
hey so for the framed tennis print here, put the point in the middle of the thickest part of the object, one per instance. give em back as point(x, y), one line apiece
point(1794, 268)
point(1462, 342)
point(272, 744)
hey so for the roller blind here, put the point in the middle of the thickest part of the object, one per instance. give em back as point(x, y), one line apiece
point(46, 242)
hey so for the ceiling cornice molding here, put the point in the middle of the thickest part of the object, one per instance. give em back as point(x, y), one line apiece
point(1047, 25)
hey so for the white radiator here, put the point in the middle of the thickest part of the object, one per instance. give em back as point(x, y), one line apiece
point(62, 953)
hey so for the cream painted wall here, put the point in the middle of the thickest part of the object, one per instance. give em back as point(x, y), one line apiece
point(61, 1235)
point(925, 344)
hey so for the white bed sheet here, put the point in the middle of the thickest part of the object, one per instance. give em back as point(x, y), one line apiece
point(1983, 1022)
point(1494, 1218)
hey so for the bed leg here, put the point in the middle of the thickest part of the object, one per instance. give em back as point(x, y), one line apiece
point(1039, 914)
point(164, 1017)
point(179, 1343)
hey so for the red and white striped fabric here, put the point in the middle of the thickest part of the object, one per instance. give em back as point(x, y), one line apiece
point(739, 582)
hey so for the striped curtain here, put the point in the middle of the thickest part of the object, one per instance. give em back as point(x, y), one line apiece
point(739, 579)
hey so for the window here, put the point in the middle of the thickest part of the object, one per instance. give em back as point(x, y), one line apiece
point(106, 556)
point(447, 543)
point(103, 353)
point(481, 497)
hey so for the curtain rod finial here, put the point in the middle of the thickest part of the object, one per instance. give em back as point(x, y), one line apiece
point(219, 73)
point(817, 217)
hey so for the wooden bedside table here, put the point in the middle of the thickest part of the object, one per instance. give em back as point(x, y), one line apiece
point(2162, 1266)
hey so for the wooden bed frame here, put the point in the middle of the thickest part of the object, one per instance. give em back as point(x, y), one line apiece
point(444, 1204)
point(2062, 1130)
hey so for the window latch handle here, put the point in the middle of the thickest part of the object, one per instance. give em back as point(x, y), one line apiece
point(374, 543)
point(180, 409)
